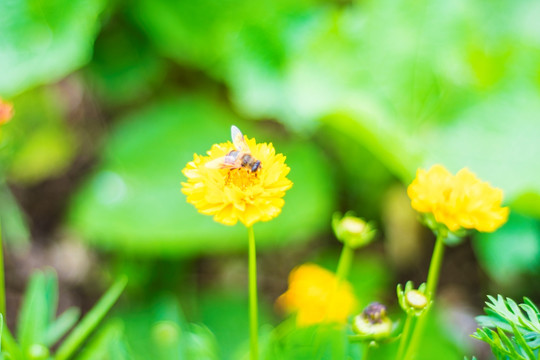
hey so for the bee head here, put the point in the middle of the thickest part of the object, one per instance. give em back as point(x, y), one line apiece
point(256, 166)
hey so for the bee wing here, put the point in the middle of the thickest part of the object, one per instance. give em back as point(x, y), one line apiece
point(238, 140)
point(220, 163)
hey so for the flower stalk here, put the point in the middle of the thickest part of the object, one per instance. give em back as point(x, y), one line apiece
point(405, 335)
point(365, 353)
point(253, 309)
point(435, 266)
point(431, 286)
point(2, 279)
point(344, 263)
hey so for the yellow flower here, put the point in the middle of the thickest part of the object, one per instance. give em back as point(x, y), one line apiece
point(315, 296)
point(460, 201)
point(232, 195)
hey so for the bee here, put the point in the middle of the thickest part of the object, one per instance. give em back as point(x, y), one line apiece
point(239, 158)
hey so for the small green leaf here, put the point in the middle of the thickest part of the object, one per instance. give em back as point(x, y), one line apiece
point(10, 345)
point(520, 340)
point(528, 301)
point(532, 323)
point(508, 345)
point(14, 227)
point(58, 328)
point(81, 332)
point(38, 308)
point(201, 343)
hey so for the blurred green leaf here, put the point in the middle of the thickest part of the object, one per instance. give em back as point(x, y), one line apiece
point(90, 321)
point(201, 343)
point(158, 330)
point(38, 309)
point(107, 344)
point(60, 326)
point(204, 35)
point(37, 142)
point(512, 250)
point(42, 41)
point(225, 313)
point(314, 342)
point(134, 203)
point(125, 67)
point(10, 345)
point(13, 224)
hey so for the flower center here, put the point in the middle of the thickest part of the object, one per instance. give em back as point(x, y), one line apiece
point(241, 178)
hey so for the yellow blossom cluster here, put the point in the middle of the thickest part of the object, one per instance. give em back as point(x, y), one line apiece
point(458, 201)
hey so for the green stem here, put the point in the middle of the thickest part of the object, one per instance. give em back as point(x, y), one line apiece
point(365, 352)
point(253, 312)
point(431, 286)
point(435, 267)
point(345, 261)
point(2, 283)
point(405, 334)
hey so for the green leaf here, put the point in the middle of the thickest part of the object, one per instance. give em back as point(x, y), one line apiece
point(38, 308)
point(528, 302)
point(183, 31)
point(506, 316)
point(512, 250)
point(38, 143)
point(59, 327)
point(15, 230)
point(41, 42)
point(520, 340)
point(533, 323)
point(10, 345)
point(140, 174)
point(124, 67)
point(201, 343)
point(90, 321)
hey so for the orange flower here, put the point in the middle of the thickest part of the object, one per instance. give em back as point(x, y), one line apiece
point(6, 111)
point(460, 201)
point(232, 195)
point(316, 296)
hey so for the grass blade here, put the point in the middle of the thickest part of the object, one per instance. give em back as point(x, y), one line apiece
point(90, 321)
point(10, 346)
point(61, 326)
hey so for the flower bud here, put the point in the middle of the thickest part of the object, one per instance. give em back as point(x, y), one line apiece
point(353, 231)
point(416, 299)
point(413, 301)
point(373, 324)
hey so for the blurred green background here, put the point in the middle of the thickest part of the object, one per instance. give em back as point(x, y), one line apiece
point(113, 98)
